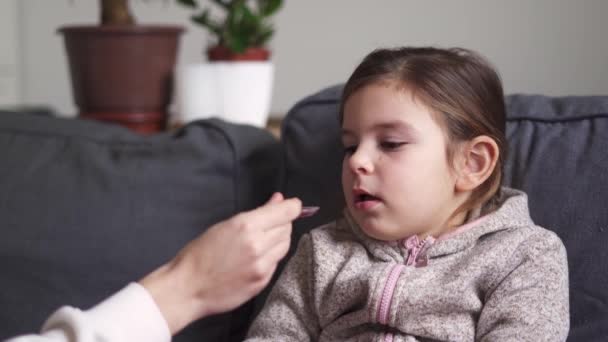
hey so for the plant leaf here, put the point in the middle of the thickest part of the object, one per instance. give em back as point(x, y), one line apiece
point(225, 4)
point(203, 19)
point(269, 7)
point(264, 35)
point(188, 3)
point(251, 27)
point(244, 25)
point(235, 15)
point(236, 43)
point(249, 21)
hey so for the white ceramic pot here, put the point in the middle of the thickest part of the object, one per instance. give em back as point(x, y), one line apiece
point(238, 92)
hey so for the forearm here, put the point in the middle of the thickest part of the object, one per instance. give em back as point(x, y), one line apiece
point(174, 295)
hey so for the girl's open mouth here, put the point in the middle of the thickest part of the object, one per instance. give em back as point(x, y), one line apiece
point(365, 201)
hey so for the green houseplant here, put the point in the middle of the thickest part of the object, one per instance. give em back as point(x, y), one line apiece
point(121, 71)
point(242, 30)
point(236, 85)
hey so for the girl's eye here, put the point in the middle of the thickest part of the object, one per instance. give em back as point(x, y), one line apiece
point(391, 145)
point(348, 150)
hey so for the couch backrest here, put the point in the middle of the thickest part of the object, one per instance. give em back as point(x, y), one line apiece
point(87, 207)
point(558, 155)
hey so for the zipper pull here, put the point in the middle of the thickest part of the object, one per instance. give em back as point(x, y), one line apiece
point(412, 245)
point(422, 260)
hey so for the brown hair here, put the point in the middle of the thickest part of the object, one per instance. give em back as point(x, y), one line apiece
point(457, 83)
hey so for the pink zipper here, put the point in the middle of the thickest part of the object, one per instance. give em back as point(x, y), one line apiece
point(387, 293)
point(414, 245)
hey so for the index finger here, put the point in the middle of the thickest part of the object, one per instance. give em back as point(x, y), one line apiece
point(274, 214)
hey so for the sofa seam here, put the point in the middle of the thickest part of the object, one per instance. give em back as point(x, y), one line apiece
point(110, 142)
point(12, 130)
point(595, 116)
point(235, 159)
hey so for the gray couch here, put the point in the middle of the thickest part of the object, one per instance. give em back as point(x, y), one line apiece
point(86, 207)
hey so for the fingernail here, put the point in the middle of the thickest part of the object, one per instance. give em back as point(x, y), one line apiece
point(308, 211)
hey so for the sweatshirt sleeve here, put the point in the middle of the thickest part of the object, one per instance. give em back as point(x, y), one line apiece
point(288, 314)
point(531, 302)
point(129, 315)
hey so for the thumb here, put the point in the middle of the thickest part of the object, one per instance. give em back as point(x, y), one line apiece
point(276, 197)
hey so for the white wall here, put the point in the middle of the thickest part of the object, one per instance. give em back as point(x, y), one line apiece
point(9, 59)
point(553, 47)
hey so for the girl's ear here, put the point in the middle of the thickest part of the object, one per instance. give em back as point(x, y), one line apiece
point(476, 163)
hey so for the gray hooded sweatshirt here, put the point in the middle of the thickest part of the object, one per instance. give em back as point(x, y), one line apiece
point(499, 277)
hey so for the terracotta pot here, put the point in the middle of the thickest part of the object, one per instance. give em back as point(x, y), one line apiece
point(123, 74)
point(222, 53)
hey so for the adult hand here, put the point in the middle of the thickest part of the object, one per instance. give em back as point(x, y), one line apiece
point(226, 265)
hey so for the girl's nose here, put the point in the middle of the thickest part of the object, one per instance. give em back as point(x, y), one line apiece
point(360, 162)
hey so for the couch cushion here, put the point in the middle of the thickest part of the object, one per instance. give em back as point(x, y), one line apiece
point(87, 207)
point(557, 155)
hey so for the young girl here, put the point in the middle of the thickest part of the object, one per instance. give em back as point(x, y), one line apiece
point(430, 247)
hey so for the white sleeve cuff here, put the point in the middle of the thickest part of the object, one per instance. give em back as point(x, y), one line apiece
point(130, 315)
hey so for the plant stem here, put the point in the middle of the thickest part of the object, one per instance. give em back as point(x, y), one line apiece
point(116, 12)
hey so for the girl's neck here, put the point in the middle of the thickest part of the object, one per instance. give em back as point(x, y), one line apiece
point(452, 224)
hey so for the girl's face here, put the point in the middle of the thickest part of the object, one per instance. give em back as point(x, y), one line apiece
point(395, 174)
